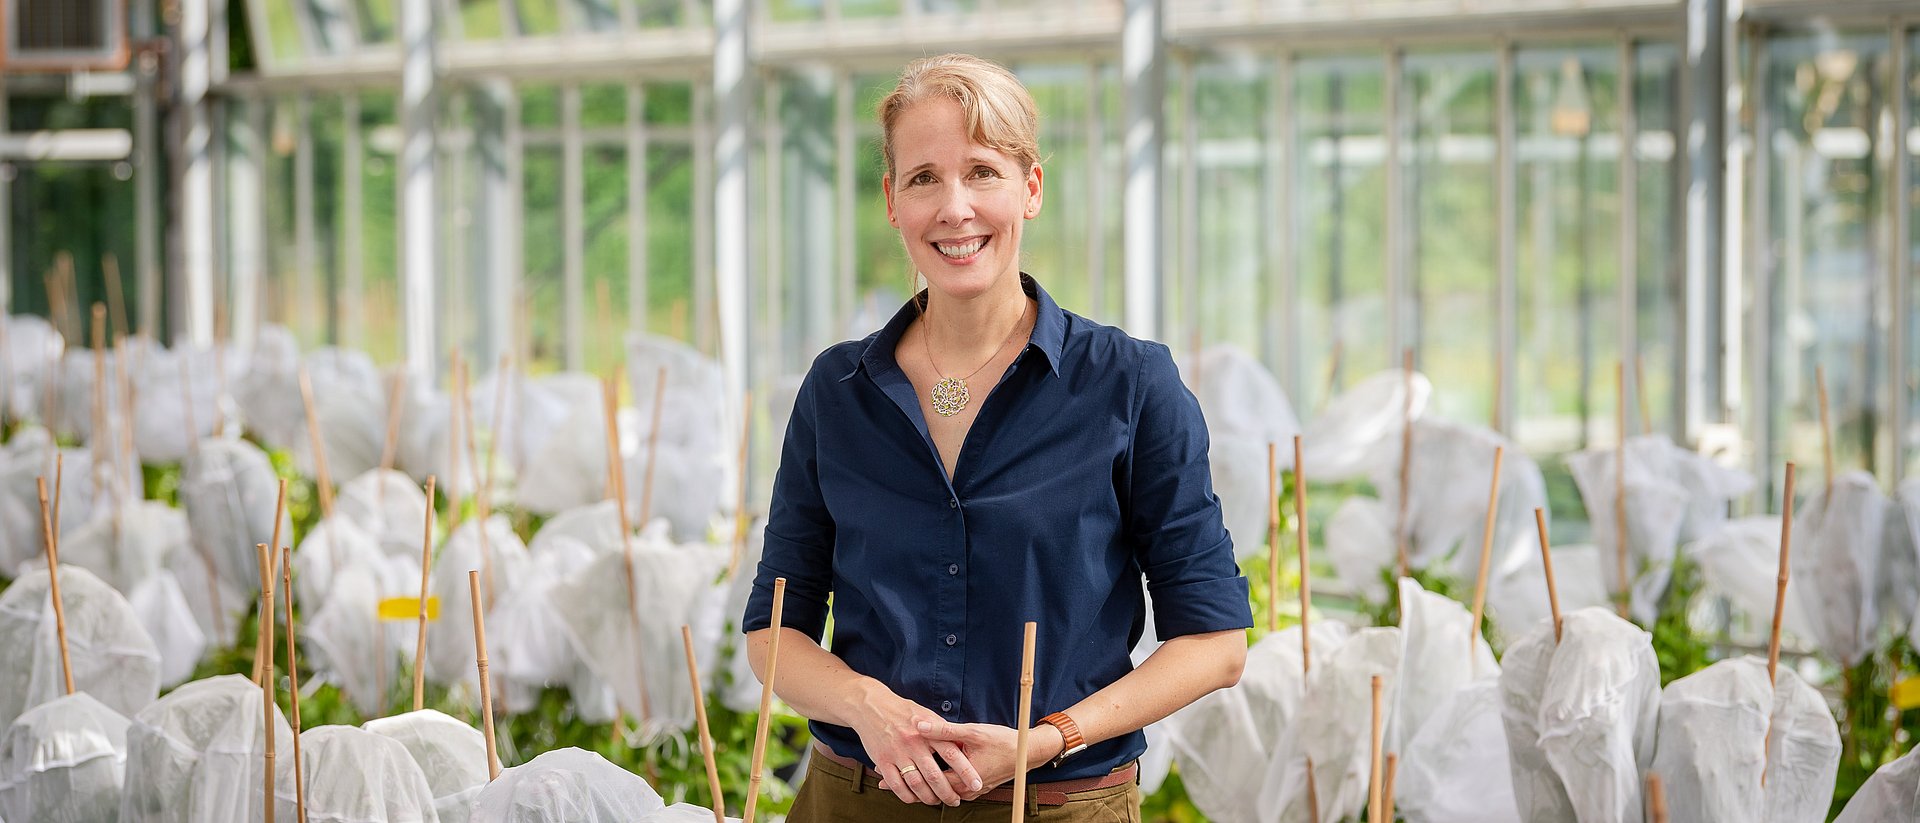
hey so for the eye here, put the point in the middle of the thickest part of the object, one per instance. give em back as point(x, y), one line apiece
point(921, 179)
point(984, 172)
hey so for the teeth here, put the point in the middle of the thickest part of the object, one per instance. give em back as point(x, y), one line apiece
point(960, 250)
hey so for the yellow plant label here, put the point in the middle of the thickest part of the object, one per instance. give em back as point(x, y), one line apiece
point(408, 608)
point(1906, 694)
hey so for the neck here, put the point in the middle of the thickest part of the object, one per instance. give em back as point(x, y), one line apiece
point(978, 323)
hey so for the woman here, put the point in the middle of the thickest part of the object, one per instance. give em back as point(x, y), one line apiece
point(945, 484)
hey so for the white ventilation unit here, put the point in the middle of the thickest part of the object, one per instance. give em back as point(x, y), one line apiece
point(64, 35)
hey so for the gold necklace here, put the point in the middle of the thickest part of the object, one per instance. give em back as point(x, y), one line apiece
point(950, 396)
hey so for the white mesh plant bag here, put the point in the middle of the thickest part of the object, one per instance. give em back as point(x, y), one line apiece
point(1360, 545)
point(533, 412)
point(1336, 721)
point(348, 644)
point(356, 776)
point(167, 614)
point(332, 546)
point(112, 657)
point(161, 432)
point(74, 414)
point(1714, 727)
point(1518, 599)
point(127, 547)
point(694, 408)
point(522, 628)
point(1580, 718)
point(350, 402)
point(450, 652)
point(1223, 742)
point(451, 755)
point(1453, 770)
point(387, 505)
point(1741, 562)
point(31, 346)
point(1900, 572)
point(566, 786)
point(1656, 506)
point(268, 392)
point(682, 813)
point(567, 466)
point(595, 525)
point(674, 585)
point(229, 490)
point(1358, 433)
point(25, 458)
point(1239, 397)
point(1891, 795)
point(1434, 629)
point(64, 762)
point(741, 692)
point(197, 755)
point(687, 487)
point(1838, 540)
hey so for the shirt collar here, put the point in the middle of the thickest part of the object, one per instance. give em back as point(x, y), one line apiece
point(1049, 331)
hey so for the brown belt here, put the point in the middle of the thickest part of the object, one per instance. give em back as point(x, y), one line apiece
point(1046, 794)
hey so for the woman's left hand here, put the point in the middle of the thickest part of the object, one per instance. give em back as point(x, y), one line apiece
point(991, 749)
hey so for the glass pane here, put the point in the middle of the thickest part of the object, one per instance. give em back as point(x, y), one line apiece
point(1340, 114)
point(872, 8)
point(793, 11)
point(804, 258)
point(1055, 245)
point(1452, 280)
point(1230, 100)
point(542, 299)
point(883, 276)
point(377, 20)
point(480, 20)
point(1567, 242)
point(670, 238)
point(1660, 290)
point(605, 210)
point(538, 17)
point(1826, 96)
point(382, 332)
point(1912, 129)
point(82, 211)
point(281, 29)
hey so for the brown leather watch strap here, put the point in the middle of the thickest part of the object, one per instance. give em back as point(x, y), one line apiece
point(1072, 742)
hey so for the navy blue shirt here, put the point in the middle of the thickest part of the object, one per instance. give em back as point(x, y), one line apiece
point(1084, 472)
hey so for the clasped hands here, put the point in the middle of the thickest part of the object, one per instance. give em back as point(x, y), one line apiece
point(903, 740)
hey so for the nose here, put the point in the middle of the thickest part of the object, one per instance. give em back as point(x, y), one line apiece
point(956, 205)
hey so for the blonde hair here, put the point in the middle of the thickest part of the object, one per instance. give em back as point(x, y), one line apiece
point(1000, 113)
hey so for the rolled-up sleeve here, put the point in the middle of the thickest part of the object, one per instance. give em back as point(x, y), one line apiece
point(1173, 516)
point(800, 530)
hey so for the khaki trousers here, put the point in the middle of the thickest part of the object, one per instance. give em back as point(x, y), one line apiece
point(832, 793)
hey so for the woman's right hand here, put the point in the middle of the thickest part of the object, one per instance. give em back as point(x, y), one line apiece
point(889, 730)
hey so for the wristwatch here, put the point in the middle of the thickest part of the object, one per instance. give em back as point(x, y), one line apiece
point(1072, 742)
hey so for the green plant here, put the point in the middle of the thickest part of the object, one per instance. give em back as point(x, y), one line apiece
point(1680, 647)
point(1872, 731)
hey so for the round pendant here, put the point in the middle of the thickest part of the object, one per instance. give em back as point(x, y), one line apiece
point(950, 396)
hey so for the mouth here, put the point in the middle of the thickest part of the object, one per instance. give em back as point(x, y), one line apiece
point(962, 250)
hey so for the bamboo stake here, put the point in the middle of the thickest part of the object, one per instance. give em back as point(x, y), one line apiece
point(293, 687)
point(1376, 777)
point(1625, 595)
point(741, 520)
point(1025, 719)
point(262, 645)
point(766, 701)
point(1406, 459)
point(1306, 601)
point(1640, 393)
point(420, 642)
point(48, 528)
point(1779, 611)
point(486, 687)
point(99, 433)
point(6, 375)
point(1273, 540)
point(452, 486)
point(50, 400)
point(653, 448)
point(617, 476)
point(482, 507)
point(1393, 770)
point(116, 297)
point(1546, 561)
point(396, 403)
point(186, 404)
point(266, 682)
point(1333, 373)
point(1826, 423)
point(706, 737)
point(59, 490)
point(316, 440)
point(1486, 559)
point(499, 424)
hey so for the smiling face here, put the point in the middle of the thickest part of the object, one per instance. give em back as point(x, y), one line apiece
point(959, 206)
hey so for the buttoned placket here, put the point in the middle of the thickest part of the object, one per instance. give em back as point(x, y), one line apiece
point(950, 612)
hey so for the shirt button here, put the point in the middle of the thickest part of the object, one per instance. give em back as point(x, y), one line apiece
point(946, 705)
point(953, 568)
point(953, 502)
point(952, 639)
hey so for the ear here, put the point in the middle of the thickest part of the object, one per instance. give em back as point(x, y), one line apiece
point(1034, 191)
point(886, 188)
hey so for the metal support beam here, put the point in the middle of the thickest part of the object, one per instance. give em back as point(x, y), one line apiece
point(418, 217)
point(1186, 277)
point(352, 217)
point(733, 106)
point(1283, 317)
point(6, 244)
point(306, 248)
point(846, 242)
point(194, 230)
point(1506, 230)
point(1143, 74)
point(1398, 321)
point(1705, 381)
point(246, 215)
point(573, 234)
point(147, 172)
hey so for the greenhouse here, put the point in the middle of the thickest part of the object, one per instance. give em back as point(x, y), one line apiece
point(448, 410)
